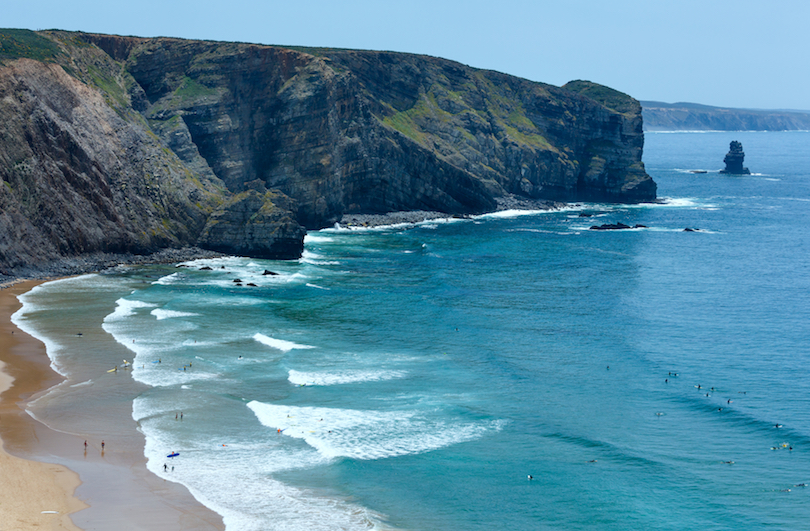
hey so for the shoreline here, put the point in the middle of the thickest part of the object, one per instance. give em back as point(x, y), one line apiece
point(47, 470)
point(409, 217)
point(29, 487)
point(100, 261)
point(96, 262)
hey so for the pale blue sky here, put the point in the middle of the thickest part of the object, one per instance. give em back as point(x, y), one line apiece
point(742, 53)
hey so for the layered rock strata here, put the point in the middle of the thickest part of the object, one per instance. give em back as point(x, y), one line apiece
point(131, 144)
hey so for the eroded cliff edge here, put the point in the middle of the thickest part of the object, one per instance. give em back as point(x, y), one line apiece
point(125, 144)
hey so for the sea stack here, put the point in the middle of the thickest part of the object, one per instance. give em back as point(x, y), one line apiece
point(734, 160)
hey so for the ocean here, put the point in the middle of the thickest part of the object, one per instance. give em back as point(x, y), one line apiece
point(414, 377)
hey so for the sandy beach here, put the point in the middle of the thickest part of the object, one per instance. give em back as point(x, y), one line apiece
point(51, 480)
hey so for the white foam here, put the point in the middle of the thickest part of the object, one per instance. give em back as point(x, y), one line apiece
point(52, 348)
point(509, 214)
point(310, 285)
point(161, 314)
point(82, 384)
point(316, 238)
point(338, 228)
point(279, 344)
point(126, 308)
point(213, 470)
point(324, 378)
point(168, 279)
point(308, 257)
point(357, 434)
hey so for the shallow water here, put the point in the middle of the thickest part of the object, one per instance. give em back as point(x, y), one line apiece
point(413, 377)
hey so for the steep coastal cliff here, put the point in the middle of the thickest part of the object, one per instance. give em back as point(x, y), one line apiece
point(125, 144)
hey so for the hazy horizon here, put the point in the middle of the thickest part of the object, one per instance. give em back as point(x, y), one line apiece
point(723, 53)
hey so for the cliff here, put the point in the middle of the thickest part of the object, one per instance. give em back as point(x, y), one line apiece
point(694, 117)
point(125, 144)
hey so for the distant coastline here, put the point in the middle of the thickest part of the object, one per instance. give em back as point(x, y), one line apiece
point(659, 116)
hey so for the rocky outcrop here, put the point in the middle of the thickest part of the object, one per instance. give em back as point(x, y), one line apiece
point(132, 144)
point(372, 132)
point(734, 160)
point(254, 223)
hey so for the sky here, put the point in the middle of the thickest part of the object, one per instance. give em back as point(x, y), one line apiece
point(743, 53)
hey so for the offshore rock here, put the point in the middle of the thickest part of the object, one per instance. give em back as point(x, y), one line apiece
point(734, 160)
point(617, 226)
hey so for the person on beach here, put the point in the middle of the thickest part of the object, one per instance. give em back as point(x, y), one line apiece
point(102, 446)
point(85, 446)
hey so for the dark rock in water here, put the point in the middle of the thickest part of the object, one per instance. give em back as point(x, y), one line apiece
point(687, 229)
point(611, 226)
point(206, 268)
point(267, 272)
point(237, 280)
point(584, 215)
point(698, 171)
point(734, 160)
point(617, 226)
point(252, 285)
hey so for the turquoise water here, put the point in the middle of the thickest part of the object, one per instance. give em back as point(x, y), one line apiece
point(414, 377)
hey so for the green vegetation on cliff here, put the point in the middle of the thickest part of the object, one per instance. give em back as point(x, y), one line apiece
point(137, 144)
point(610, 98)
point(20, 43)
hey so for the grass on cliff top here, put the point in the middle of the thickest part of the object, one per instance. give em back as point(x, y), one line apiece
point(504, 114)
point(610, 98)
point(21, 43)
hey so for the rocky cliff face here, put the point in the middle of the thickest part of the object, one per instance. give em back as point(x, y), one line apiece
point(78, 177)
point(136, 144)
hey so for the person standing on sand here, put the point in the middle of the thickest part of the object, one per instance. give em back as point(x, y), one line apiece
point(102, 446)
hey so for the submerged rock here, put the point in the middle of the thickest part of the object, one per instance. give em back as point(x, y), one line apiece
point(617, 226)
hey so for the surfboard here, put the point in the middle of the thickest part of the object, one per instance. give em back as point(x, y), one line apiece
point(112, 370)
point(175, 454)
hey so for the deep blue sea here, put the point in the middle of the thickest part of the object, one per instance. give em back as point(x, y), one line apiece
point(414, 377)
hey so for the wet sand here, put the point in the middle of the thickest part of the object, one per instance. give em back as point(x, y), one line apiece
point(46, 470)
